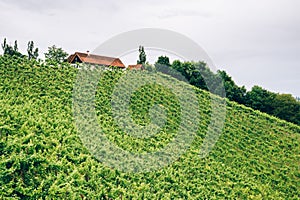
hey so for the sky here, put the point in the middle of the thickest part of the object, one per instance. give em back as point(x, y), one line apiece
point(255, 42)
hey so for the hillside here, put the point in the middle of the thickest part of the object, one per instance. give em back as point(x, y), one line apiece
point(257, 156)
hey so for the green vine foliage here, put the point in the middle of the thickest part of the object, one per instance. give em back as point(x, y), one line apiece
point(42, 157)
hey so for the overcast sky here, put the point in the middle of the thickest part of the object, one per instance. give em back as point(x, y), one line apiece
point(256, 42)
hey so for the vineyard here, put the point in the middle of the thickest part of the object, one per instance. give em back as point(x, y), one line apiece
point(42, 156)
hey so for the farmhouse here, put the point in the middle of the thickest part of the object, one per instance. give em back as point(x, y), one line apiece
point(88, 58)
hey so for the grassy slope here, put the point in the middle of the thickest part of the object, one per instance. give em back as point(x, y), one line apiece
point(257, 156)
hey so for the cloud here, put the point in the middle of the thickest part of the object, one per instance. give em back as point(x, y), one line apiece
point(59, 5)
point(183, 13)
point(36, 6)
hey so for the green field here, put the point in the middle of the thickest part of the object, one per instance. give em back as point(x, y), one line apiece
point(42, 156)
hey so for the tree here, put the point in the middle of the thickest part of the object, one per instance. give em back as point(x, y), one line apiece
point(32, 53)
point(199, 75)
point(142, 56)
point(286, 107)
point(16, 46)
point(163, 65)
point(233, 91)
point(9, 50)
point(4, 45)
point(260, 99)
point(55, 54)
point(163, 60)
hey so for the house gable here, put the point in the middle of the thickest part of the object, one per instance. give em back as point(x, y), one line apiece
point(95, 59)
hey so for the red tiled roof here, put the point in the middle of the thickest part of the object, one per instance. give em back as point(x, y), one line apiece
point(96, 59)
point(137, 66)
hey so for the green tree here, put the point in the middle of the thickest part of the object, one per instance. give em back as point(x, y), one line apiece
point(163, 60)
point(4, 45)
point(9, 50)
point(163, 65)
point(198, 74)
point(142, 56)
point(33, 53)
point(233, 91)
point(16, 46)
point(286, 107)
point(260, 99)
point(55, 54)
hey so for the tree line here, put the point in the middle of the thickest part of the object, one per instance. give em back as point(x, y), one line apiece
point(283, 106)
point(53, 55)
